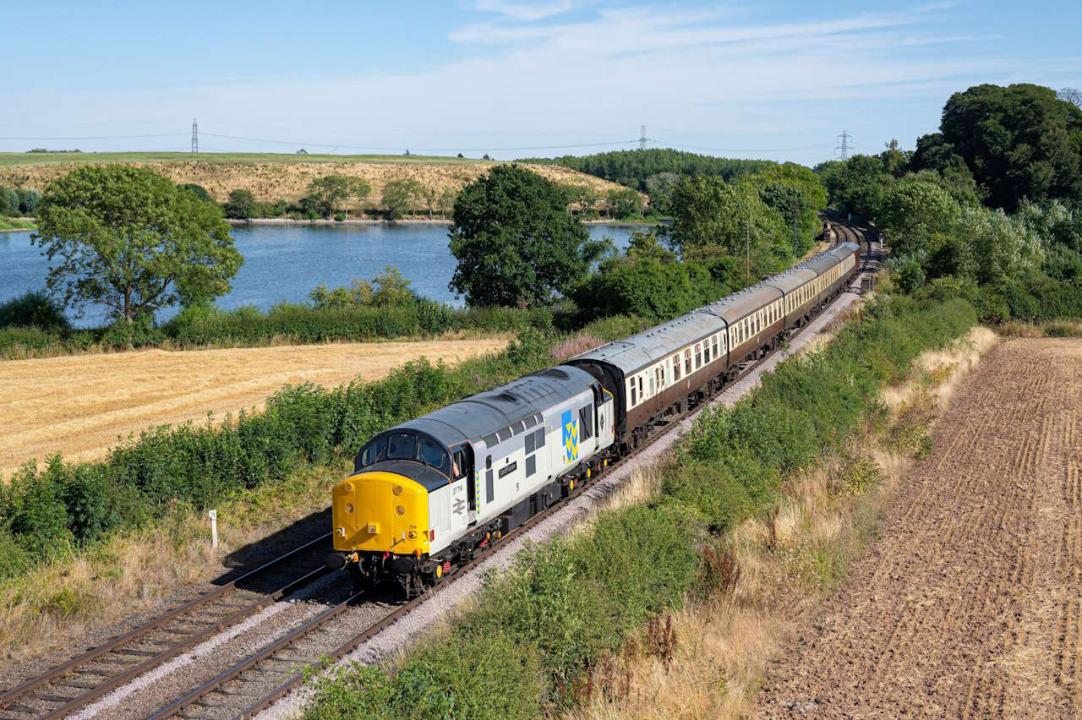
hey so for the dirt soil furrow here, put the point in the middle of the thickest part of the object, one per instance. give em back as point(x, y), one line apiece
point(967, 605)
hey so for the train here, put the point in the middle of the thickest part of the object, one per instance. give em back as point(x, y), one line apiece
point(425, 497)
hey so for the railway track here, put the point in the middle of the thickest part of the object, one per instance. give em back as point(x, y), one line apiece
point(87, 677)
point(259, 680)
point(256, 681)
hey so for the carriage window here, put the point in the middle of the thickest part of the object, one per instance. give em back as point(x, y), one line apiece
point(586, 422)
point(374, 452)
point(402, 446)
point(434, 456)
point(676, 367)
point(634, 393)
point(698, 356)
point(715, 346)
point(687, 361)
point(641, 395)
point(706, 351)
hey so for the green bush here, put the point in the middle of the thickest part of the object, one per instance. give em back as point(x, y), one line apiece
point(9, 202)
point(34, 309)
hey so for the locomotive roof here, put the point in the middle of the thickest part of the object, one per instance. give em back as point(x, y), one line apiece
point(474, 417)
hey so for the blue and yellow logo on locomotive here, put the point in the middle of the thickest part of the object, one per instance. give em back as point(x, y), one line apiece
point(570, 436)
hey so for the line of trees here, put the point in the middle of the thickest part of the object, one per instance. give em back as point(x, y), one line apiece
point(988, 206)
point(517, 244)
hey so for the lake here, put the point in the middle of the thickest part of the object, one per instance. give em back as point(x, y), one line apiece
point(283, 263)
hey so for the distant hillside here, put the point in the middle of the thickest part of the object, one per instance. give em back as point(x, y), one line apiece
point(272, 177)
point(632, 168)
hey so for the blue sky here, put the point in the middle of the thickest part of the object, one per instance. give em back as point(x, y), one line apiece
point(514, 78)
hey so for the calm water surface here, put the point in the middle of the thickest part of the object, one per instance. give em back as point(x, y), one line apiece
point(282, 263)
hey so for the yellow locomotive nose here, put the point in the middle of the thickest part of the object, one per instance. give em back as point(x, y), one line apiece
point(380, 512)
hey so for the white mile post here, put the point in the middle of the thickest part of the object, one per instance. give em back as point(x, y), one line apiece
point(213, 528)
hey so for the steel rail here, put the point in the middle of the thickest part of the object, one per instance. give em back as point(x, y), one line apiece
point(117, 644)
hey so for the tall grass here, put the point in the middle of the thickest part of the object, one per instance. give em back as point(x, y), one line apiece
point(565, 607)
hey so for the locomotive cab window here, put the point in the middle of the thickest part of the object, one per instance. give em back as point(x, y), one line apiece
point(401, 446)
point(374, 452)
point(432, 454)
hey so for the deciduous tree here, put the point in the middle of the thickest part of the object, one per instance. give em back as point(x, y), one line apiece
point(515, 240)
point(130, 239)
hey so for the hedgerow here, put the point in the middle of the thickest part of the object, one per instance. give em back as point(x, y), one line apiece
point(247, 326)
point(536, 631)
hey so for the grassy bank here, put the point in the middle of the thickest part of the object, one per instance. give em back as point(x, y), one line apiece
point(9, 224)
point(290, 158)
point(535, 640)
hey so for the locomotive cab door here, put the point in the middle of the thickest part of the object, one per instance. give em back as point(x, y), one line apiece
point(463, 484)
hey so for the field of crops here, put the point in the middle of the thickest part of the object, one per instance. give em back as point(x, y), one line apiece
point(80, 405)
point(969, 603)
point(272, 177)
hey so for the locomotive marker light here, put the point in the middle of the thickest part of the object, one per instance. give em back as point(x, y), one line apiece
point(213, 527)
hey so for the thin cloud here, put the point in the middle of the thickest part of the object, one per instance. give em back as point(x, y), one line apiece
point(523, 11)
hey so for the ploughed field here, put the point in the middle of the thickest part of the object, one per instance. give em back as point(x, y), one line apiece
point(969, 603)
point(80, 405)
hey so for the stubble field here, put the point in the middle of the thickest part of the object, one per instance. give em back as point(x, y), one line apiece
point(969, 604)
point(81, 405)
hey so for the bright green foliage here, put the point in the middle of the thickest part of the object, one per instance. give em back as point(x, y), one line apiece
point(1002, 246)
point(798, 195)
point(33, 309)
point(241, 205)
point(914, 210)
point(649, 282)
point(856, 185)
point(515, 241)
point(625, 204)
point(709, 212)
point(633, 168)
point(326, 195)
point(1020, 141)
point(400, 196)
point(388, 289)
point(128, 238)
point(9, 202)
point(197, 190)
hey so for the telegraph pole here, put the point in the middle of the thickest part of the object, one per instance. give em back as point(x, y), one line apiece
point(845, 147)
point(195, 137)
